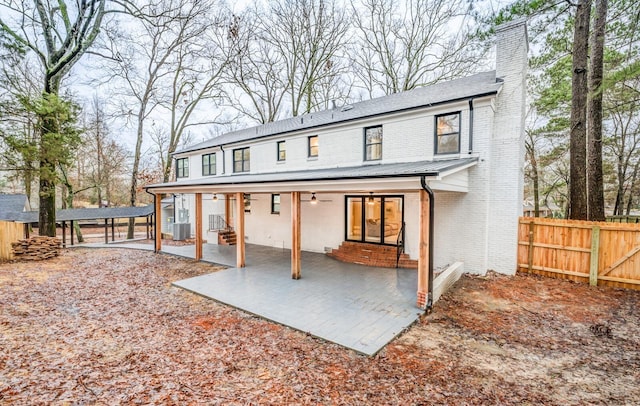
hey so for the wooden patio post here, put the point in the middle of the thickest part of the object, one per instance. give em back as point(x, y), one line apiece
point(423, 255)
point(158, 220)
point(240, 259)
point(106, 231)
point(198, 226)
point(295, 235)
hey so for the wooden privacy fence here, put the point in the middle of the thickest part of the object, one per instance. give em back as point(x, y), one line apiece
point(600, 253)
point(9, 232)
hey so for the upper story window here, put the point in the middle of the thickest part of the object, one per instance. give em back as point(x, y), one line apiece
point(275, 204)
point(208, 164)
point(282, 151)
point(447, 133)
point(313, 146)
point(182, 168)
point(241, 160)
point(373, 143)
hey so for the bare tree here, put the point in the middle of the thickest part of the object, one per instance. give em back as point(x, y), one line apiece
point(402, 45)
point(287, 54)
point(198, 64)
point(254, 70)
point(155, 61)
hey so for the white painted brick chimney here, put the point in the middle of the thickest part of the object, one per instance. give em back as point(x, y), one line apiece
point(507, 148)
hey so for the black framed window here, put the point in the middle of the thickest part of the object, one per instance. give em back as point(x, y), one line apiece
point(374, 219)
point(275, 203)
point(241, 160)
point(313, 146)
point(208, 164)
point(282, 151)
point(182, 168)
point(447, 139)
point(373, 143)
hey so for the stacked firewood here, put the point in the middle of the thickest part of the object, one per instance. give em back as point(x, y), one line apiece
point(36, 248)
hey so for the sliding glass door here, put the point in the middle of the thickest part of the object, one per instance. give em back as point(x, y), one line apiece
point(374, 219)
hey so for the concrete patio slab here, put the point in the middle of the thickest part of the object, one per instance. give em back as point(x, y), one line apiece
point(358, 307)
point(362, 308)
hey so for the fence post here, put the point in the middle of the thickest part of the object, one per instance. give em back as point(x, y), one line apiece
point(595, 250)
point(531, 246)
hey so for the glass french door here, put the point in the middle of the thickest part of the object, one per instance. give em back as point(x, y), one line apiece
point(374, 219)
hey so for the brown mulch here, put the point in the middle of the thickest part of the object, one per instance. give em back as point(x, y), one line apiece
point(106, 327)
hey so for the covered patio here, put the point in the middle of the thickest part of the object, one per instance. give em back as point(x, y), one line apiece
point(359, 307)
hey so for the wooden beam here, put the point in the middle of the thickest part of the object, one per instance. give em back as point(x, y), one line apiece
point(595, 250)
point(198, 226)
point(158, 221)
point(113, 229)
point(71, 231)
point(106, 231)
point(64, 234)
point(239, 227)
point(423, 251)
point(295, 235)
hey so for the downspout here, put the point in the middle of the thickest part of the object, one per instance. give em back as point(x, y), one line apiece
point(224, 162)
point(427, 189)
point(471, 125)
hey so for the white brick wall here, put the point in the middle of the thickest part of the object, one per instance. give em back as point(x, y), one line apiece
point(478, 227)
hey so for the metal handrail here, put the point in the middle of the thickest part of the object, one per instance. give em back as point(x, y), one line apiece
point(400, 244)
point(217, 223)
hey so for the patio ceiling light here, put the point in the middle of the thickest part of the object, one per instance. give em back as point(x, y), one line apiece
point(370, 199)
point(314, 200)
point(215, 197)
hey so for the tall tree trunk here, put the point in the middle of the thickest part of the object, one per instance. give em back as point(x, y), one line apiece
point(594, 116)
point(47, 172)
point(579, 91)
point(135, 171)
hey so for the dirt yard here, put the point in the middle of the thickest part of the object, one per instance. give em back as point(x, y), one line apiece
point(104, 326)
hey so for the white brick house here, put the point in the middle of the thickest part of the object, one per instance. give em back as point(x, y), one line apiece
point(360, 172)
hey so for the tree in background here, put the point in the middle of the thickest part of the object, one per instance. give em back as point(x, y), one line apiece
point(403, 45)
point(58, 35)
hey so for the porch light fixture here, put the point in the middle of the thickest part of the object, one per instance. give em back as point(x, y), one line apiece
point(314, 200)
point(370, 200)
point(215, 197)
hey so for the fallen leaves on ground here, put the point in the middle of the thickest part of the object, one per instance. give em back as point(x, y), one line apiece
point(105, 326)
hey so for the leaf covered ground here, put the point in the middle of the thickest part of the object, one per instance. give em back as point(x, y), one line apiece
point(105, 326)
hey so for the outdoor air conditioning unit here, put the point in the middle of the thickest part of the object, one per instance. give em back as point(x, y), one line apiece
point(181, 231)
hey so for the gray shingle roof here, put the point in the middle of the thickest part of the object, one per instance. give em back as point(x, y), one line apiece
point(458, 89)
point(405, 169)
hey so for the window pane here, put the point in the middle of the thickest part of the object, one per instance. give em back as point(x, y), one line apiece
point(373, 222)
point(313, 146)
point(282, 153)
point(448, 124)
point(448, 144)
point(275, 203)
point(392, 219)
point(354, 218)
point(448, 133)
